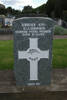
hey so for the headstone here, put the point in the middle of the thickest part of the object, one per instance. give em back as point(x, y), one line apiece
point(33, 50)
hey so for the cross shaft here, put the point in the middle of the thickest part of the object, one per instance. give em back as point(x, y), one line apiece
point(33, 54)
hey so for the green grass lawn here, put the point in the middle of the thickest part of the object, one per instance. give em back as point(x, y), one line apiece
point(6, 55)
point(59, 54)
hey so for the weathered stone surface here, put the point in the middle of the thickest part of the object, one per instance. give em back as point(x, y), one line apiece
point(33, 50)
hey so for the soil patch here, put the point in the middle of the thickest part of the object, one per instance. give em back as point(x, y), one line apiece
point(8, 83)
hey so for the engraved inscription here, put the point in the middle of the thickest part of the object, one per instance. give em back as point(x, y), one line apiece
point(32, 29)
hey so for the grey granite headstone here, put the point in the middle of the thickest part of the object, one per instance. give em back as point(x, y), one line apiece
point(33, 50)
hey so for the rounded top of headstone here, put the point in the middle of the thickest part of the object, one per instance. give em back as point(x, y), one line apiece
point(47, 20)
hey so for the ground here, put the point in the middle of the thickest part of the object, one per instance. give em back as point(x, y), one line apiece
point(8, 83)
point(10, 37)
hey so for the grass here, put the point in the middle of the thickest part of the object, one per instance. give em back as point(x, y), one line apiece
point(60, 30)
point(6, 55)
point(59, 54)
